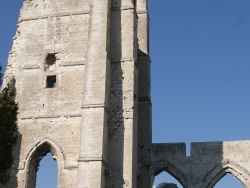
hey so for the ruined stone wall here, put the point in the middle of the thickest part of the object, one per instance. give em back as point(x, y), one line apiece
point(82, 72)
point(93, 158)
point(123, 95)
point(208, 163)
point(76, 71)
point(49, 115)
point(144, 135)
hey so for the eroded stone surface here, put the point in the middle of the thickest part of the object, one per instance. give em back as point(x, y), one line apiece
point(82, 72)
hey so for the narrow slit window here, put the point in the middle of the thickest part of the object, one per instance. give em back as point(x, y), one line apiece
point(51, 82)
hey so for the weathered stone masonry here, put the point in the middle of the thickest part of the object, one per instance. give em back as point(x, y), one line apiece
point(208, 163)
point(77, 89)
point(82, 72)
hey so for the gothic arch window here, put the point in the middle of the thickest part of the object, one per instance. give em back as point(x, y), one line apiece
point(36, 155)
point(164, 179)
point(47, 173)
point(169, 171)
point(229, 180)
point(227, 167)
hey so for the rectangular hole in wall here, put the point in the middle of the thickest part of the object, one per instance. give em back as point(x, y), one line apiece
point(50, 61)
point(51, 82)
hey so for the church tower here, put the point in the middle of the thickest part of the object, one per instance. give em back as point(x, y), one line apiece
point(82, 72)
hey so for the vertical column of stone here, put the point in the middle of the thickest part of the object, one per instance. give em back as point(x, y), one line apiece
point(94, 130)
point(123, 96)
point(144, 101)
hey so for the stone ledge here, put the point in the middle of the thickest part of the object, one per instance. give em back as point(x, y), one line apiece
point(53, 15)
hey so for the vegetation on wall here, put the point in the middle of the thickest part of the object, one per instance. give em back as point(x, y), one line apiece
point(8, 129)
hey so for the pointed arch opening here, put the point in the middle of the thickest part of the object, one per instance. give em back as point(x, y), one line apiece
point(229, 181)
point(172, 173)
point(225, 168)
point(36, 154)
point(47, 173)
point(164, 179)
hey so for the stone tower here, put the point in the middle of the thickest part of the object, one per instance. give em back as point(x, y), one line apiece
point(82, 72)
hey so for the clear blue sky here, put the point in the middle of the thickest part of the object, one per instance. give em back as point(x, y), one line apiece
point(200, 52)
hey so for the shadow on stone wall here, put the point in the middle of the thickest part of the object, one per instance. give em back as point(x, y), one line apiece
point(169, 157)
point(144, 124)
point(116, 117)
point(16, 165)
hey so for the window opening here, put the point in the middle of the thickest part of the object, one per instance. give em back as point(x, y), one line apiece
point(51, 82)
point(36, 166)
point(50, 60)
point(229, 181)
point(47, 172)
point(164, 179)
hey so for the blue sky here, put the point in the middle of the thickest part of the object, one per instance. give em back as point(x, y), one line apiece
point(200, 71)
point(200, 68)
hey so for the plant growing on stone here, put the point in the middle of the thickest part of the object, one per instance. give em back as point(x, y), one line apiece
point(8, 129)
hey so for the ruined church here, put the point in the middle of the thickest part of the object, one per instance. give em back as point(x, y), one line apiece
point(82, 71)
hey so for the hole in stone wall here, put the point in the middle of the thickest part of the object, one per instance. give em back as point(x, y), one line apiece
point(229, 181)
point(51, 82)
point(42, 170)
point(165, 180)
point(47, 172)
point(50, 60)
